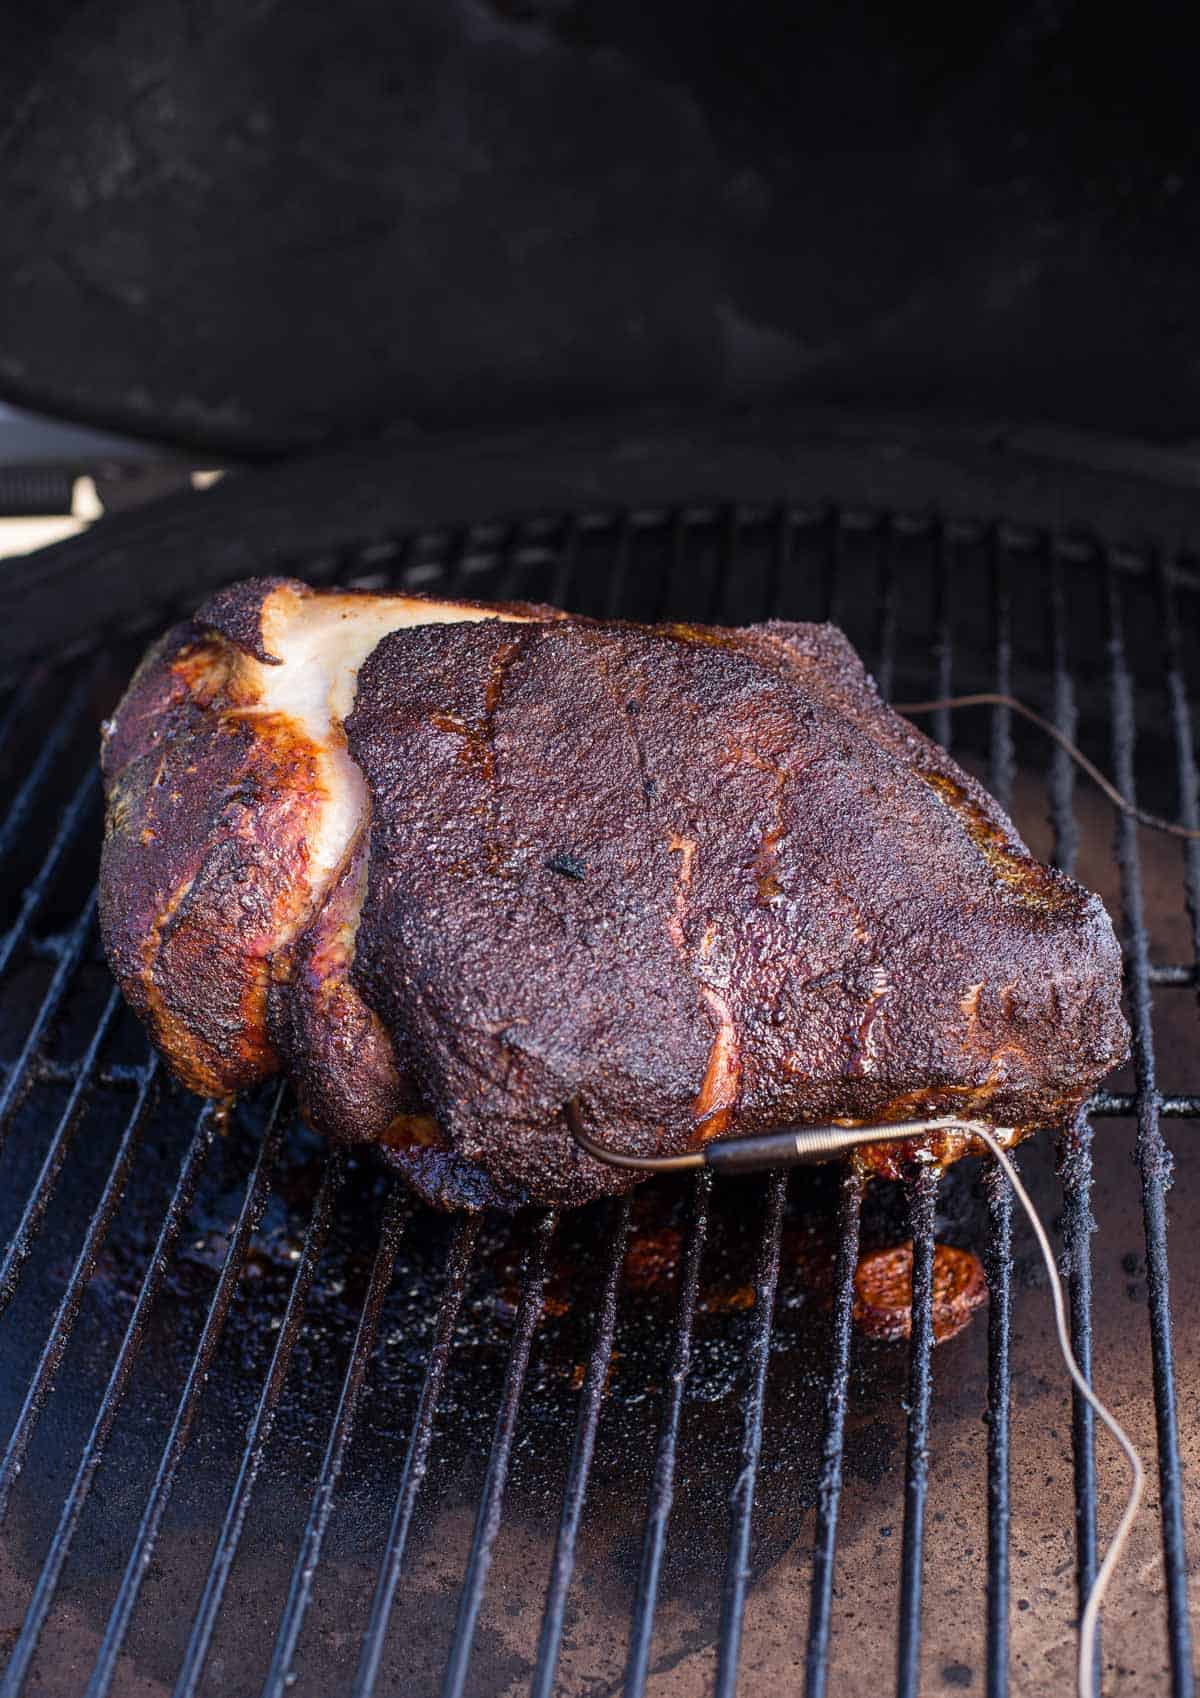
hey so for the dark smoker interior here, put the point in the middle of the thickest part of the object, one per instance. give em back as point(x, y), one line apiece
point(704, 313)
point(257, 228)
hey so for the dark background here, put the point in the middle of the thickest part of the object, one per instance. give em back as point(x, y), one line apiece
point(252, 226)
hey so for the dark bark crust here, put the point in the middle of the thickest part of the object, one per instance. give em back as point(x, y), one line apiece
point(704, 880)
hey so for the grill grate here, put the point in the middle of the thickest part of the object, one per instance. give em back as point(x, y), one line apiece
point(417, 1407)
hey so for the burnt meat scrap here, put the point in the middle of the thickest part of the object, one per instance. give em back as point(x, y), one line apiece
point(448, 865)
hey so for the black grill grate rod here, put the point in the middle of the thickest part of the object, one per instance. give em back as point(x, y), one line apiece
point(1075, 1147)
point(591, 1401)
point(279, 1675)
point(259, 1432)
point(662, 1489)
point(21, 1073)
point(922, 1199)
point(249, 1215)
point(1185, 758)
point(998, 1249)
point(837, 1396)
point(1066, 719)
point(110, 1402)
point(1003, 763)
point(829, 1485)
point(1075, 1163)
point(564, 570)
point(1154, 1160)
point(834, 586)
point(886, 631)
point(779, 566)
point(1123, 1104)
point(416, 1460)
point(1178, 973)
point(77, 810)
point(741, 1498)
point(618, 576)
point(491, 1499)
point(923, 1190)
point(50, 752)
point(19, 703)
point(943, 642)
point(38, 1201)
point(68, 1306)
point(736, 1579)
point(998, 1265)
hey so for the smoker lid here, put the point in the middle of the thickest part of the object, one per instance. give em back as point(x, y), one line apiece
point(269, 228)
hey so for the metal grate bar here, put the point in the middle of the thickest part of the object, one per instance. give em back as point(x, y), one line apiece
point(618, 572)
point(453, 560)
point(259, 1432)
point(279, 1675)
point(20, 1074)
point(829, 1485)
point(1075, 1148)
point(19, 703)
point(35, 491)
point(998, 1250)
point(249, 1215)
point(741, 1499)
point(832, 596)
point(662, 1489)
point(1185, 765)
point(120, 1076)
point(591, 1401)
point(678, 533)
point(49, 753)
point(38, 1201)
point(1125, 1103)
point(1182, 974)
point(397, 564)
point(1066, 718)
point(943, 647)
point(726, 535)
point(922, 1203)
point(416, 1461)
point(1003, 765)
point(1154, 1160)
point(68, 1305)
point(511, 569)
point(114, 1391)
point(886, 634)
point(998, 1264)
point(85, 798)
point(779, 565)
point(564, 570)
point(1075, 1163)
point(487, 1521)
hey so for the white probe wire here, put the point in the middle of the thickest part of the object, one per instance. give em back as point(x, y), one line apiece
point(1089, 1625)
point(827, 1142)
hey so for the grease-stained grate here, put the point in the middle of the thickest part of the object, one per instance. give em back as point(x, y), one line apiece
point(305, 1434)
